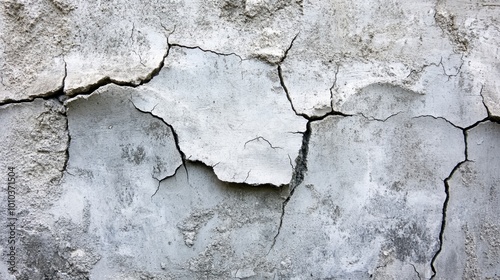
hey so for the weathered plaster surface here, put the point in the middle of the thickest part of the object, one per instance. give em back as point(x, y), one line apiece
point(228, 113)
point(371, 201)
point(34, 140)
point(471, 245)
point(251, 139)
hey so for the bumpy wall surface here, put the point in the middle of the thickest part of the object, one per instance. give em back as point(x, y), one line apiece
point(250, 139)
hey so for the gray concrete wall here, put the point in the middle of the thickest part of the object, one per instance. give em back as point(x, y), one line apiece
point(257, 139)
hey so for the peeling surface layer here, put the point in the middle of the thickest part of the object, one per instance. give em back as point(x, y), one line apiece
point(229, 114)
point(249, 139)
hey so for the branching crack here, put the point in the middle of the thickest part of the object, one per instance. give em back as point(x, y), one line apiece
point(205, 50)
point(261, 138)
point(447, 191)
point(61, 94)
point(167, 177)
point(66, 159)
point(445, 207)
point(380, 120)
point(108, 80)
point(287, 92)
point(307, 117)
point(176, 141)
point(439, 64)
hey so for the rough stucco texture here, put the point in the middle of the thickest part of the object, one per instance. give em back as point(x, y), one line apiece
point(249, 139)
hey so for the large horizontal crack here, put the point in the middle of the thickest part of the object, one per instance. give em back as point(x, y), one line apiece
point(48, 95)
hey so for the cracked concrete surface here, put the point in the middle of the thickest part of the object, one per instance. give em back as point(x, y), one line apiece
point(358, 214)
point(471, 246)
point(250, 139)
point(232, 103)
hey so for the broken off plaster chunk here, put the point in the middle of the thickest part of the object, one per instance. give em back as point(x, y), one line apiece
point(228, 113)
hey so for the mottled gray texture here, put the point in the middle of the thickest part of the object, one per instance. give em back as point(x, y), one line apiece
point(471, 247)
point(229, 113)
point(371, 201)
point(251, 139)
point(34, 140)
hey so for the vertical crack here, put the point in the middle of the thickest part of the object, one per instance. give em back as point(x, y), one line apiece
point(288, 49)
point(68, 143)
point(447, 199)
point(297, 178)
point(287, 93)
point(282, 80)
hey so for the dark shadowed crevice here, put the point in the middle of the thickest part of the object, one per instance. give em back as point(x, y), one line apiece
point(49, 95)
point(108, 80)
point(301, 160)
point(66, 159)
point(380, 120)
point(447, 191)
point(263, 139)
point(87, 90)
point(297, 177)
point(443, 222)
point(62, 95)
point(288, 49)
point(491, 117)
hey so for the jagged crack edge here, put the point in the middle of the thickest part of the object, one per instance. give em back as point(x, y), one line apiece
point(176, 141)
point(263, 139)
point(297, 178)
point(68, 143)
point(89, 89)
point(447, 191)
point(443, 222)
point(337, 68)
point(491, 116)
point(48, 95)
point(205, 50)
